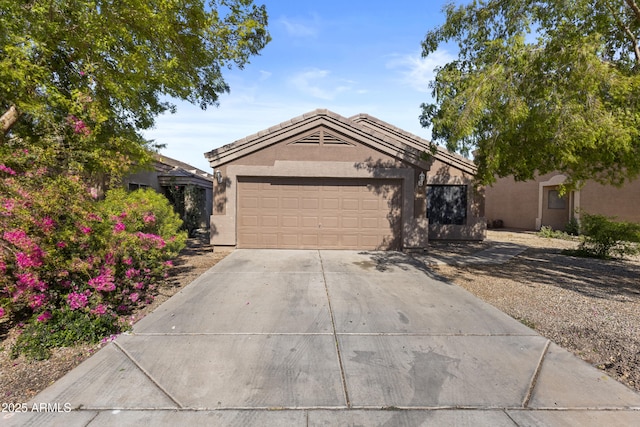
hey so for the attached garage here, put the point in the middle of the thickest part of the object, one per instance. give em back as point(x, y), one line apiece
point(323, 181)
point(318, 213)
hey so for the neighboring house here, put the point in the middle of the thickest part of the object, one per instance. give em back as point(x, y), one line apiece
point(326, 181)
point(189, 189)
point(532, 204)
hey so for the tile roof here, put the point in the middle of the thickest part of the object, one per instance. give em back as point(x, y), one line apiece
point(373, 131)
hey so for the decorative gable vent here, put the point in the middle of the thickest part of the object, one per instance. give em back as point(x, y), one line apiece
point(321, 137)
point(313, 139)
point(334, 140)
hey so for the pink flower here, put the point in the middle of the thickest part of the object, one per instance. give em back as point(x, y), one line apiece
point(168, 263)
point(85, 230)
point(2, 312)
point(127, 261)
point(18, 238)
point(79, 126)
point(119, 227)
point(47, 224)
point(76, 300)
point(30, 281)
point(134, 297)
point(138, 285)
point(29, 260)
point(9, 205)
point(99, 310)
point(150, 217)
point(37, 301)
point(152, 238)
point(61, 244)
point(44, 316)
point(103, 282)
point(7, 169)
point(131, 272)
point(3, 268)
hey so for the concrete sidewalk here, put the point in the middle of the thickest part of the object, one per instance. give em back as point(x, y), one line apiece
point(310, 338)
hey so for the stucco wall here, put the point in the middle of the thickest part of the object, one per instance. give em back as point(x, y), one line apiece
point(517, 203)
point(623, 203)
point(514, 203)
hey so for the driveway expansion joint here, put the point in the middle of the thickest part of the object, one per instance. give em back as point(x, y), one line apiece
point(335, 335)
point(536, 374)
point(147, 374)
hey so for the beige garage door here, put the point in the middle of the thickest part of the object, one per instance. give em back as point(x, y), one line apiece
point(319, 213)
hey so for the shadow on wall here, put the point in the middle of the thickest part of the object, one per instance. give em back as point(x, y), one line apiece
point(219, 203)
point(391, 193)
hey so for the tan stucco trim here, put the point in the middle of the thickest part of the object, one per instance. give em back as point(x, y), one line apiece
point(574, 202)
point(225, 224)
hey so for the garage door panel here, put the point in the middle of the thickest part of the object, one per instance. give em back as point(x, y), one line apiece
point(330, 203)
point(329, 241)
point(309, 240)
point(249, 221)
point(350, 222)
point(290, 221)
point(318, 213)
point(350, 204)
point(289, 240)
point(270, 203)
point(310, 222)
point(330, 222)
point(290, 203)
point(310, 203)
point(370, 205)
point(270, 240)
point(269, 221)
point(369, 223)
point(249, 202)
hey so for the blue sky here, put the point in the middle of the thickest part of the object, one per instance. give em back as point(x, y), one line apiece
point(347, 56)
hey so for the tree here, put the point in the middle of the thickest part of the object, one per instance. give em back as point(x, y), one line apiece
point(540, 86)
point(82, 78)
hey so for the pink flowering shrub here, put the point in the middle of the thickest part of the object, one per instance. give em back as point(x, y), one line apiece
point(67, 259)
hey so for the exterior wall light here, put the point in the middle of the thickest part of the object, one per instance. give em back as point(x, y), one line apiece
point(421, 179)
point(218, 176)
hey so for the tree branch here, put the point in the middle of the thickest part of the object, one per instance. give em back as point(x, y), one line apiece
point(9, 118)
point(634, 6)
point(627, 30)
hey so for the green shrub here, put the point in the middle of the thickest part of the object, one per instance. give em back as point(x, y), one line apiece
point(549, 233)
point(573, 227)
point(146, 211)
point(602, 237)
point(65, 328)
point(71, 266)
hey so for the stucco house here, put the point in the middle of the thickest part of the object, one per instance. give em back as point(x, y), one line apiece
point(189, 189)
point(324, 181)
point(532, 204)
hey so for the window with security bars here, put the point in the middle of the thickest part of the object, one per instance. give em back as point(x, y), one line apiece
point(447, 204)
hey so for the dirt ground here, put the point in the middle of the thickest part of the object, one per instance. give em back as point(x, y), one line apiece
point(590, 307)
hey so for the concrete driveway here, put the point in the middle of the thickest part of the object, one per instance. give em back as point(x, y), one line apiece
point(311, 338)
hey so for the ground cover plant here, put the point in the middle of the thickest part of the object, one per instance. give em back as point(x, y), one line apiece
point(71, 265)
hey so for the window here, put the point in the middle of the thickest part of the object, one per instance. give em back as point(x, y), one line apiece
point(447, 204)
point(133, 186)
point(556, 201)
